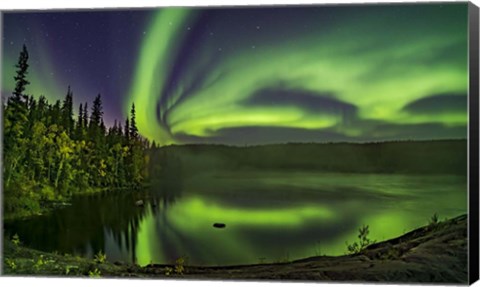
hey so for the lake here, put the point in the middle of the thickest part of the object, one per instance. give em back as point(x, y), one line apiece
point(270, 216)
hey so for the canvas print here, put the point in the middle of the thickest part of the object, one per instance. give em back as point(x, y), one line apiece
point(318, 142)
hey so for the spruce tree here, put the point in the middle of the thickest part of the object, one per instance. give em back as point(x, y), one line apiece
point(79, 126)
point(133, 124)
point(85, 116)
point(97, 112)
point(67, 112)
point(44, 162)
point(80, 116)
point(16, 121)
point(21, 76)
point(95, 125)
point(127, 130)
point(103, 128)
point(42, 108)
point(120, 130)
point(55, 113)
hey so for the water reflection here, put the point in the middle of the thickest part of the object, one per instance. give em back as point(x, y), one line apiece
point(82, 228)
point(270, 216)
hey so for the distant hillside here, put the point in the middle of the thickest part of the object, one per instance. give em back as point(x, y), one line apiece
point(409, 157)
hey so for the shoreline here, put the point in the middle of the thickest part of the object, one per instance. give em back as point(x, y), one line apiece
point(433, 253)
point(49, 206)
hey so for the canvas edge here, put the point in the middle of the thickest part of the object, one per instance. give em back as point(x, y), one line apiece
point(473, 223)
point(232, 5)
point(473, 121)
point(1, 144)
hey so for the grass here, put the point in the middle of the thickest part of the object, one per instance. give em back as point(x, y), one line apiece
point(15, 239)
point(434, 220)
point(21, 260)
point(318, 250)
point(95, 273)
point(178, 268)
point(179, 265)
point(100, 257)
point(362, 242)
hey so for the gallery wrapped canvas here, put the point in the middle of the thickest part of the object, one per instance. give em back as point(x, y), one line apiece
point(326, 143)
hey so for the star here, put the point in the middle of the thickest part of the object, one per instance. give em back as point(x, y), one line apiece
point(258, 27)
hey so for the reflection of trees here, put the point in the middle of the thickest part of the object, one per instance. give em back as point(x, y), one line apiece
point(83, 225)
point(166, 181)
point(72, 229)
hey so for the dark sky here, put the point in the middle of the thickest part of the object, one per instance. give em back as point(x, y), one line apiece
point(94, 52)
point(256, 75)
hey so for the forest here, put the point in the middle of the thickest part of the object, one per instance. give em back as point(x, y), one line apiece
point(50, 154)
point(395, 157)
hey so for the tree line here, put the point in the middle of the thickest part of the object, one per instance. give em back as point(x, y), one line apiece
point(49, 154)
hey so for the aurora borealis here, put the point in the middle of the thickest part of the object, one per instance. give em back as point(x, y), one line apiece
point(257, 75)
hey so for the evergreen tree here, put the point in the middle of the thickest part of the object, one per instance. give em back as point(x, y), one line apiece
point(154, 145)
point(79, 126)
point(16, 120)
point(32, 111)
point(49, 155)
point(120, 130)
point(127, 131)
point(55, 114)
point(21, 76)
point(96, 119)
point(97, 112)
point(80, 116)
point(85, 116)
point(67, 113)
point(133, 124)
point(42, 108)
point(103, 128)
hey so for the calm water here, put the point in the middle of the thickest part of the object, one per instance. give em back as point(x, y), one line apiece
point(269, 216)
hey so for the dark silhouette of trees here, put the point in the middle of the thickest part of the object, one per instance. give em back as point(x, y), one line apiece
point(96, 118)
point(127, 130)
point(79, 128)
point(49, 156)
point(133, 124)
point(21, 76)
point(15, 120)
point(67, 112)
point(85, 116)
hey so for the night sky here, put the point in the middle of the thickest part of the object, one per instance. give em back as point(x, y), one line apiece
point(256, 75)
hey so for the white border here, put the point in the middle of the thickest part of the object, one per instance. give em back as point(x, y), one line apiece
point(86, 4)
